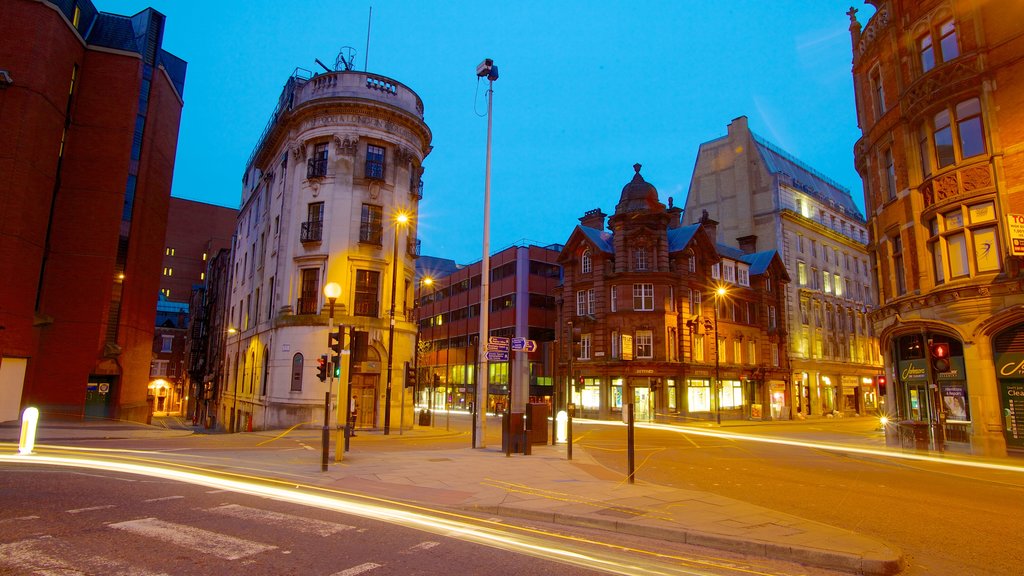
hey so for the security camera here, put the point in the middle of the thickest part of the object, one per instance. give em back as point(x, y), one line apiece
point(484, 68)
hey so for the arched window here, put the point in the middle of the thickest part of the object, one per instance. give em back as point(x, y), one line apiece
point(266, 369)
point(297, 373)
point(585, 262)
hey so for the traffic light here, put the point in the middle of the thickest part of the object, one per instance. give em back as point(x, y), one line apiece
point(321, 367)
point(334, 342)
point(881, 384)
point(410, 375)
point(579, 383)
point(939, 352)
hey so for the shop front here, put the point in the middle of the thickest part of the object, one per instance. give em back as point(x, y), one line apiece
point(1008, 351)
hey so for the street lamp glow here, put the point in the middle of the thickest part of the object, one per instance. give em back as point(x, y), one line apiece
point(721, 291)
point(428, 281)
point(402, 218)
point(332, 290)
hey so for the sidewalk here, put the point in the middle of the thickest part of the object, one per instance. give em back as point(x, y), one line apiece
point(543, 487)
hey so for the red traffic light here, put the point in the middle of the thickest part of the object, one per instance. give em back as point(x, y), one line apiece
point(939, 352)
point(881, 380)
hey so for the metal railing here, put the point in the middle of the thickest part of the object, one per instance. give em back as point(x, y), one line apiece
point(312, 231)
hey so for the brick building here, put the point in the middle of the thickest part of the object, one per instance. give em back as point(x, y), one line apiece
point(90, 105)
point(939, 88)
point(641, 302)
point(523, 287)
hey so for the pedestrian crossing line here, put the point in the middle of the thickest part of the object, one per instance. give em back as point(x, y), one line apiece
point(34, 557)
point(297, 523)
point(421, 547)
point(357, 569)
point(164, 499)
point(90, 509)
point(216, 491)
point(196, 539)
point(18, 519)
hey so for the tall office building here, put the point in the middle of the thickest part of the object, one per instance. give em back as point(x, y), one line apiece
point(939, 86)
point(765, 197)
point(330, 195)
point(90, 105)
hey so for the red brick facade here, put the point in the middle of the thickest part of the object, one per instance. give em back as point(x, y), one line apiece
point(78, 317)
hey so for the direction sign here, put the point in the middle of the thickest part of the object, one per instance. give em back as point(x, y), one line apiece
point(522, 344)
point(496, 348)
point(531, 346)
point(497, 356)
point(497, 340)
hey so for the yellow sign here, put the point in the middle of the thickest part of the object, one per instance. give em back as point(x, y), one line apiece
point(1015, 228)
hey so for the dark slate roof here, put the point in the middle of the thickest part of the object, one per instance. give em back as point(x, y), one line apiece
point(600, 238)
point(175, 69)
point(678, 238)
point(777, 161)
point(758, 261)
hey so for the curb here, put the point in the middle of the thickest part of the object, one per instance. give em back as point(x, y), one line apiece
point(880, 565)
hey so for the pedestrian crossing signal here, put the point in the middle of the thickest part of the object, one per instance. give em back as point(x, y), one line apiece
point(321, 368)
point(940, 357)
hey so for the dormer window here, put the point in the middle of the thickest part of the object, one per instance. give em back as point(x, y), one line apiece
point(640, 259)
point(586, 263)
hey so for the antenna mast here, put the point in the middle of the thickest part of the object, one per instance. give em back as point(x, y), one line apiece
point(366, 55)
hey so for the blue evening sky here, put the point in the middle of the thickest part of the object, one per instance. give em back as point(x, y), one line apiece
point(586, 89)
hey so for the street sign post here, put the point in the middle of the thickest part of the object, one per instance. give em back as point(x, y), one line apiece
point(497, 356)
point(524, 345)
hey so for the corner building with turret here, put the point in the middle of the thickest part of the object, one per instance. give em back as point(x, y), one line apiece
point(339, 161)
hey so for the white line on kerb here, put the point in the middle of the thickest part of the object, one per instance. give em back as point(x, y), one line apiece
point(89, 509)
point(220, 545)
point(165, 498)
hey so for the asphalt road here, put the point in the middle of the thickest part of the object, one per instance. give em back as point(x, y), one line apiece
point(947, 519)
point(64, 521)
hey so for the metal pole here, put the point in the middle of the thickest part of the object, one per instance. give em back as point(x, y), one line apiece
point(326, 437)
point(570, 409)
point(482, 381)
point(717, 390)
point(344, 403)
point(391, 336)
point(630, 443)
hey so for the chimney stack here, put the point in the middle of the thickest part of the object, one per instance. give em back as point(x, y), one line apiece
point(748, 244)
point(710, 227)
point(593, 219)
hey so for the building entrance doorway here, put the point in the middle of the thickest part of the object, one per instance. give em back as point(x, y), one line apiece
point(642, 404)
point(364, 388)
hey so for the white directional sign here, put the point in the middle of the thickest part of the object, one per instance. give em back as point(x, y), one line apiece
point(497, 356)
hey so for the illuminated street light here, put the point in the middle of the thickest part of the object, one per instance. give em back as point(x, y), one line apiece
point(416, 351)
point(400, 221)
point(720, 292)
point(488, 69)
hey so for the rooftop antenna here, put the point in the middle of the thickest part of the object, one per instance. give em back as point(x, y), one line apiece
point(344, 60)
point(366, 55)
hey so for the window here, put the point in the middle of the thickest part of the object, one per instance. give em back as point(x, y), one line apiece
point(771, 317)
point(309, 292)
point(581, 302)
point(969, 137)
point(737, 352)
point(691, 263)
point(877, 94)
point(316, 166)
point(827, 281)
point(922, 150)
point(801, 273)
point(296, 373)
point(720, 350)
point(950, 237)
point(751, 352)
point(643, 297)
point(698, 347)
point(897, 264)
point(613, 305)
point(968, 125)
point(948, 47)
point(743, 275)
point(838, 283)
point(371, 224)
point(644, 344)
point(367, 287)
point(166, 343)
point(672, 345)
point(716, 271)
point(814, 279)
point(374, 162)
point(616, 344)
point(890, 174)
point(730, 272)
point(585, 262)
point(695, 304)
point(640, 259)
point(585, 347)
point(590, 301)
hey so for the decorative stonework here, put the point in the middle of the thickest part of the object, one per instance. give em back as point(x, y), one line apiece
point(976, 178)
point(403, 155)
point(346, 147)
point(374, 189)
point(946, 79)
point(879, 21)
point(299, 152)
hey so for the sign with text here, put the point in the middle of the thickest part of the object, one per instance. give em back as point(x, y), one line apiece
point(627, 346)
point(497, 356)
point(1015, 228)
point(524, 345)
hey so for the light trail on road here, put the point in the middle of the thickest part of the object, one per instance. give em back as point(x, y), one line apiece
point(817, 445)
point(531, 541)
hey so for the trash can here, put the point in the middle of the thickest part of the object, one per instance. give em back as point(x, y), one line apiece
point(913, 434)
point(537, 416)
point(512, 431)
point(424, 417)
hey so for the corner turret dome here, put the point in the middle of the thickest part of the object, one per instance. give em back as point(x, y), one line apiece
point(638, 196)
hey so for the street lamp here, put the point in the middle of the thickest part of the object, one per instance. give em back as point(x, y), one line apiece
point(719, 293)
point(488, 69)
point(416, 351)
point(400, 221)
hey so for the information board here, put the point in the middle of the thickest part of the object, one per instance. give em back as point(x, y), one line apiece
point(1013, 412)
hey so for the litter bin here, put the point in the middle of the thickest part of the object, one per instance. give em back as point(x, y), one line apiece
point(537, 416)
point(512, 431)
point(424, 417)
point(913, 434)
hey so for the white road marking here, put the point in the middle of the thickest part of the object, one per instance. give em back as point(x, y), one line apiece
point(18, 519)
point(89, 509)
point(29, 556)
point(165, 498)
point(196, 539)
point(297, 523)
point(216, 491)
point(357, 569)
point(422, 546)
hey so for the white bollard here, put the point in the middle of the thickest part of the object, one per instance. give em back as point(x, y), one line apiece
point(29, 420)
point(561, 423)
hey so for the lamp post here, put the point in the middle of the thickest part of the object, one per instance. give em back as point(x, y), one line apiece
point(331, 290)
point(719, 293)
point(416, 354)
point(488, 69)
point(400, 220)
